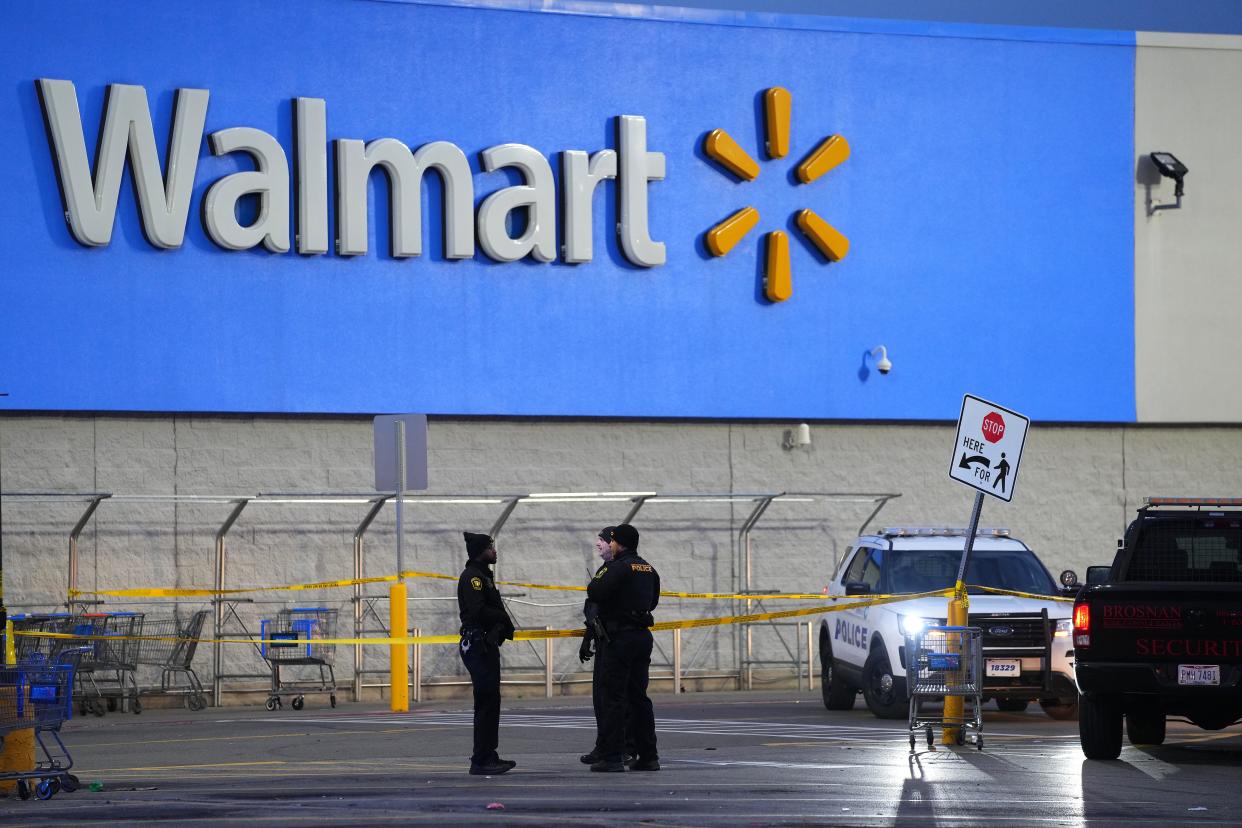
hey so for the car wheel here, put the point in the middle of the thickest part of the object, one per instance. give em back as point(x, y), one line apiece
point(1012, 705)
point(1145, 727)
point(1063, 710)
point(884, 693)
point(838, 695)
point(1099, 726)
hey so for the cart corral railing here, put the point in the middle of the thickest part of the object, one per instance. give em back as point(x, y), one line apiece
point(504, 506)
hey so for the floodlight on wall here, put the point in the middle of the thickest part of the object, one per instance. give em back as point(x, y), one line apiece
point(1168, 165)
point(799, 437)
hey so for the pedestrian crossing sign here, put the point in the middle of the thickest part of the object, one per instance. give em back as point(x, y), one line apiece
point(988, 447)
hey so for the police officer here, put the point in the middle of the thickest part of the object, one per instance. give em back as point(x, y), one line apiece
point(485, 625)
point(626, 590)
point(592, 643)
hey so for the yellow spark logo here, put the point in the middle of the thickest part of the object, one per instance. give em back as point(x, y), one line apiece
point(832, 151)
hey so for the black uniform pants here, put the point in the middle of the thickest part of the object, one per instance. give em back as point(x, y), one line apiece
point(624, 667)
point(483, 662)
point(597, 703)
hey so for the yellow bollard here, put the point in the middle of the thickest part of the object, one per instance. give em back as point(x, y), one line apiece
point(399, 654)
point(18, 752)
point(955, 706)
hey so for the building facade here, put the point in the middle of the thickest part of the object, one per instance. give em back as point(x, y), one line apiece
point(232, 236)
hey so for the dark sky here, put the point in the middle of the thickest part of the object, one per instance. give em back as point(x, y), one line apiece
point(1205, 16)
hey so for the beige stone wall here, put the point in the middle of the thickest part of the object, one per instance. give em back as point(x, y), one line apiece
point(1077, 488)
point(1187, 290)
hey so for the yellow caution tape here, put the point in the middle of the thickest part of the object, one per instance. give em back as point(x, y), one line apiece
point(193, 592)
point(345, 582)
point(522, 635)
point(1017, 594)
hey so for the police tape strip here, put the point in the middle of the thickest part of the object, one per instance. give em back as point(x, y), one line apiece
point(522, 635)
point(379, 579)
point(1016, 594)
point(189, 592)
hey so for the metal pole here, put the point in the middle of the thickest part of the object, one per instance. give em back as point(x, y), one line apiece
point(744, 676)
point(959, 616)
point(73, 547)
point(810, 655)
point(676, 661)
point(418, 667)
point(398, 612)
point(376, 505)
point(970, 544)
point(216, 684)
point(400, 425)
point(798, 650)
point(547, 666)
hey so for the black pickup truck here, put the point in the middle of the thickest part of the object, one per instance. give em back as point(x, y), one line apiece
point(1159, 633)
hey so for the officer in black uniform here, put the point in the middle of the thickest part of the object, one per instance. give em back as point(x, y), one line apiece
point(485, 625)
point(626, 590)
point(594, 638)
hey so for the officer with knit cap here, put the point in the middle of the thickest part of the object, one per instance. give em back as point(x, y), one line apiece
point(485, 625)
point(592, 643)
point(626, 590)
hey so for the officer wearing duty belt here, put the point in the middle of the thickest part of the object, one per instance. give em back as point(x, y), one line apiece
point(626, 590)
point(485, 625)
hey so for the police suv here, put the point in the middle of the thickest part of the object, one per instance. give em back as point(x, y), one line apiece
point(1026, 641)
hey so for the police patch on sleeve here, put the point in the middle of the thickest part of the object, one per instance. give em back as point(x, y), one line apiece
point(476, 583)
point(601, 572)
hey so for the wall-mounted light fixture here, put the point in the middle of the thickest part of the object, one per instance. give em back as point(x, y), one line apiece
point(799, 437)
point(1169, 166)
point(882, 363)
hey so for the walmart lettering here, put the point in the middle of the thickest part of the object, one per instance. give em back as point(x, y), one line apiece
point(164, 193)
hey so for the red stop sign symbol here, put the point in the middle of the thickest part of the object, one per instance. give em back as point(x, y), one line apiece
point(993, 427)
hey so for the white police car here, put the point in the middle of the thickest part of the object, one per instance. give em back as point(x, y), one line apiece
point(1026, 641)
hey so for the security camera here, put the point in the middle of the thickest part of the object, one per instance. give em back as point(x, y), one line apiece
point(883, 365)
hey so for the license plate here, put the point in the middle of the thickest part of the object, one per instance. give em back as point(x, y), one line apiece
point(1198, 674)
point(1003, 667)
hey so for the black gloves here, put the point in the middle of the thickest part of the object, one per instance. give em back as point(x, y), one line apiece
point(584, 650)
point(494, 636)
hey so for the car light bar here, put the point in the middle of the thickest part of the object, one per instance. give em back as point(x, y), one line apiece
point(941, 532)
point(1194, 501)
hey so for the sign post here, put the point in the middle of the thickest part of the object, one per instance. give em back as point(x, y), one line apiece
point(400, 465)
point(986, 455)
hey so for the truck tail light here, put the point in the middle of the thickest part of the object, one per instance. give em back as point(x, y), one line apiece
point(1082, 625)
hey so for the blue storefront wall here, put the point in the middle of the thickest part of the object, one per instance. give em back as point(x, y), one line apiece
point(987, 200)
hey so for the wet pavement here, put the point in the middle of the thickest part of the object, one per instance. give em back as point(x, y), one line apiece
point(745, 759)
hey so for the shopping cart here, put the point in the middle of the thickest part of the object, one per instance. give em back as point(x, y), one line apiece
point(943, 662)
point(33, 648)
point(295, 638)
point(38, 696)
point(170, 645)
point(112, 661)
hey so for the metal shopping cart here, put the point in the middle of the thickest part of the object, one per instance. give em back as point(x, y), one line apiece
point(943, 662)
point(295, 638)
point(31, 647)
point(113, 659)
point(170, 644)
point(38, 696)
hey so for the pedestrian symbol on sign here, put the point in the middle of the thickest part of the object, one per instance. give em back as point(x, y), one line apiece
point(1002, 469)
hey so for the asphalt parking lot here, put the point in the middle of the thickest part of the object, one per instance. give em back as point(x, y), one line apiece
point(729, 759)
